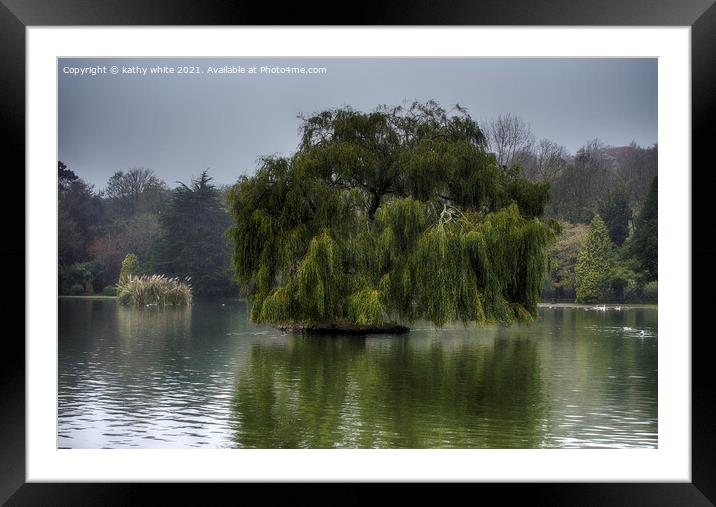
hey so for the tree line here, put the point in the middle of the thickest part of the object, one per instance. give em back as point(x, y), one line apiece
point(176, 232)
point(600, 195)
point(598, 192)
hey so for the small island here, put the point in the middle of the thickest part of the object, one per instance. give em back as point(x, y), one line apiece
point(150, 290)
point(387, 217)
point(344, 328)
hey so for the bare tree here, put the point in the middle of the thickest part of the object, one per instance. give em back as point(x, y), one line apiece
point(550, 160)
point(137, 190)
point(582, 185)
point(594, 156)
point(636, 167)
point(509, 138)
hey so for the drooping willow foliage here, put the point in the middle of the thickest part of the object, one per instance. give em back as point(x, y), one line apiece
point(394, 215)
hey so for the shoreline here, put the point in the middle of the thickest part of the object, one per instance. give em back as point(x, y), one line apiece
point(543, 304)
point(607, 306)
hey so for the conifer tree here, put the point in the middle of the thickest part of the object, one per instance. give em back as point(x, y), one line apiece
point(393, 215)
point(645, 245)
point(595, 264)
point(614, 210)
point(193, 241)
point(130, 267)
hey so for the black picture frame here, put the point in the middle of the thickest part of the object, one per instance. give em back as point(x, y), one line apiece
point(16, 15)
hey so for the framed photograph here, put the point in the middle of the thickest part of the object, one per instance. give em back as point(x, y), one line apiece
point(395, 253)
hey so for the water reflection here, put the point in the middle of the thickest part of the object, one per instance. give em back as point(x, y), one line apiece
point(389, 392)
point(156, 322)
point(204, 376)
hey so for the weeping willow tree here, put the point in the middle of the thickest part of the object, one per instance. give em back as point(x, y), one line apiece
point(389, 216)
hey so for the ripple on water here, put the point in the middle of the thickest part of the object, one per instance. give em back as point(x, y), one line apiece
point(571, 379)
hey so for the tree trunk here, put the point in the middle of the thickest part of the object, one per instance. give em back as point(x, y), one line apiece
point(374, 204)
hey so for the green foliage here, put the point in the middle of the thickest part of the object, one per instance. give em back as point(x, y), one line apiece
point(77, 290)
point(366, 307)
point(80, 212)
point(154, 290)
point(84, 274)
point(651, 290)
point(614, 210)
point(70, 239)
point(625, 282)
point(531, 197)
point(645, 244)
point(192, 241)
point(394, 214)
point(130, 267)
point(318, 279)
point(595, 264)
point(564, 253)
point(109, 290)
point(97, 229)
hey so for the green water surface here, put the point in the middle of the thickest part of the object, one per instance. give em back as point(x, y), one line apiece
point(206, 377)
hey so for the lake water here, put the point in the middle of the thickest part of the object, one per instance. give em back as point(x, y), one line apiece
point(205, 376)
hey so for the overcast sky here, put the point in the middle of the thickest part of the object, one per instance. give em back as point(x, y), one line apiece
point(179, 125)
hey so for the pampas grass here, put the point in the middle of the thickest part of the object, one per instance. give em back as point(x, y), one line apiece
point(154, 290)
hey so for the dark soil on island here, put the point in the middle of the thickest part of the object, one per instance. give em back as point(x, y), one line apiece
point(343, 329)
